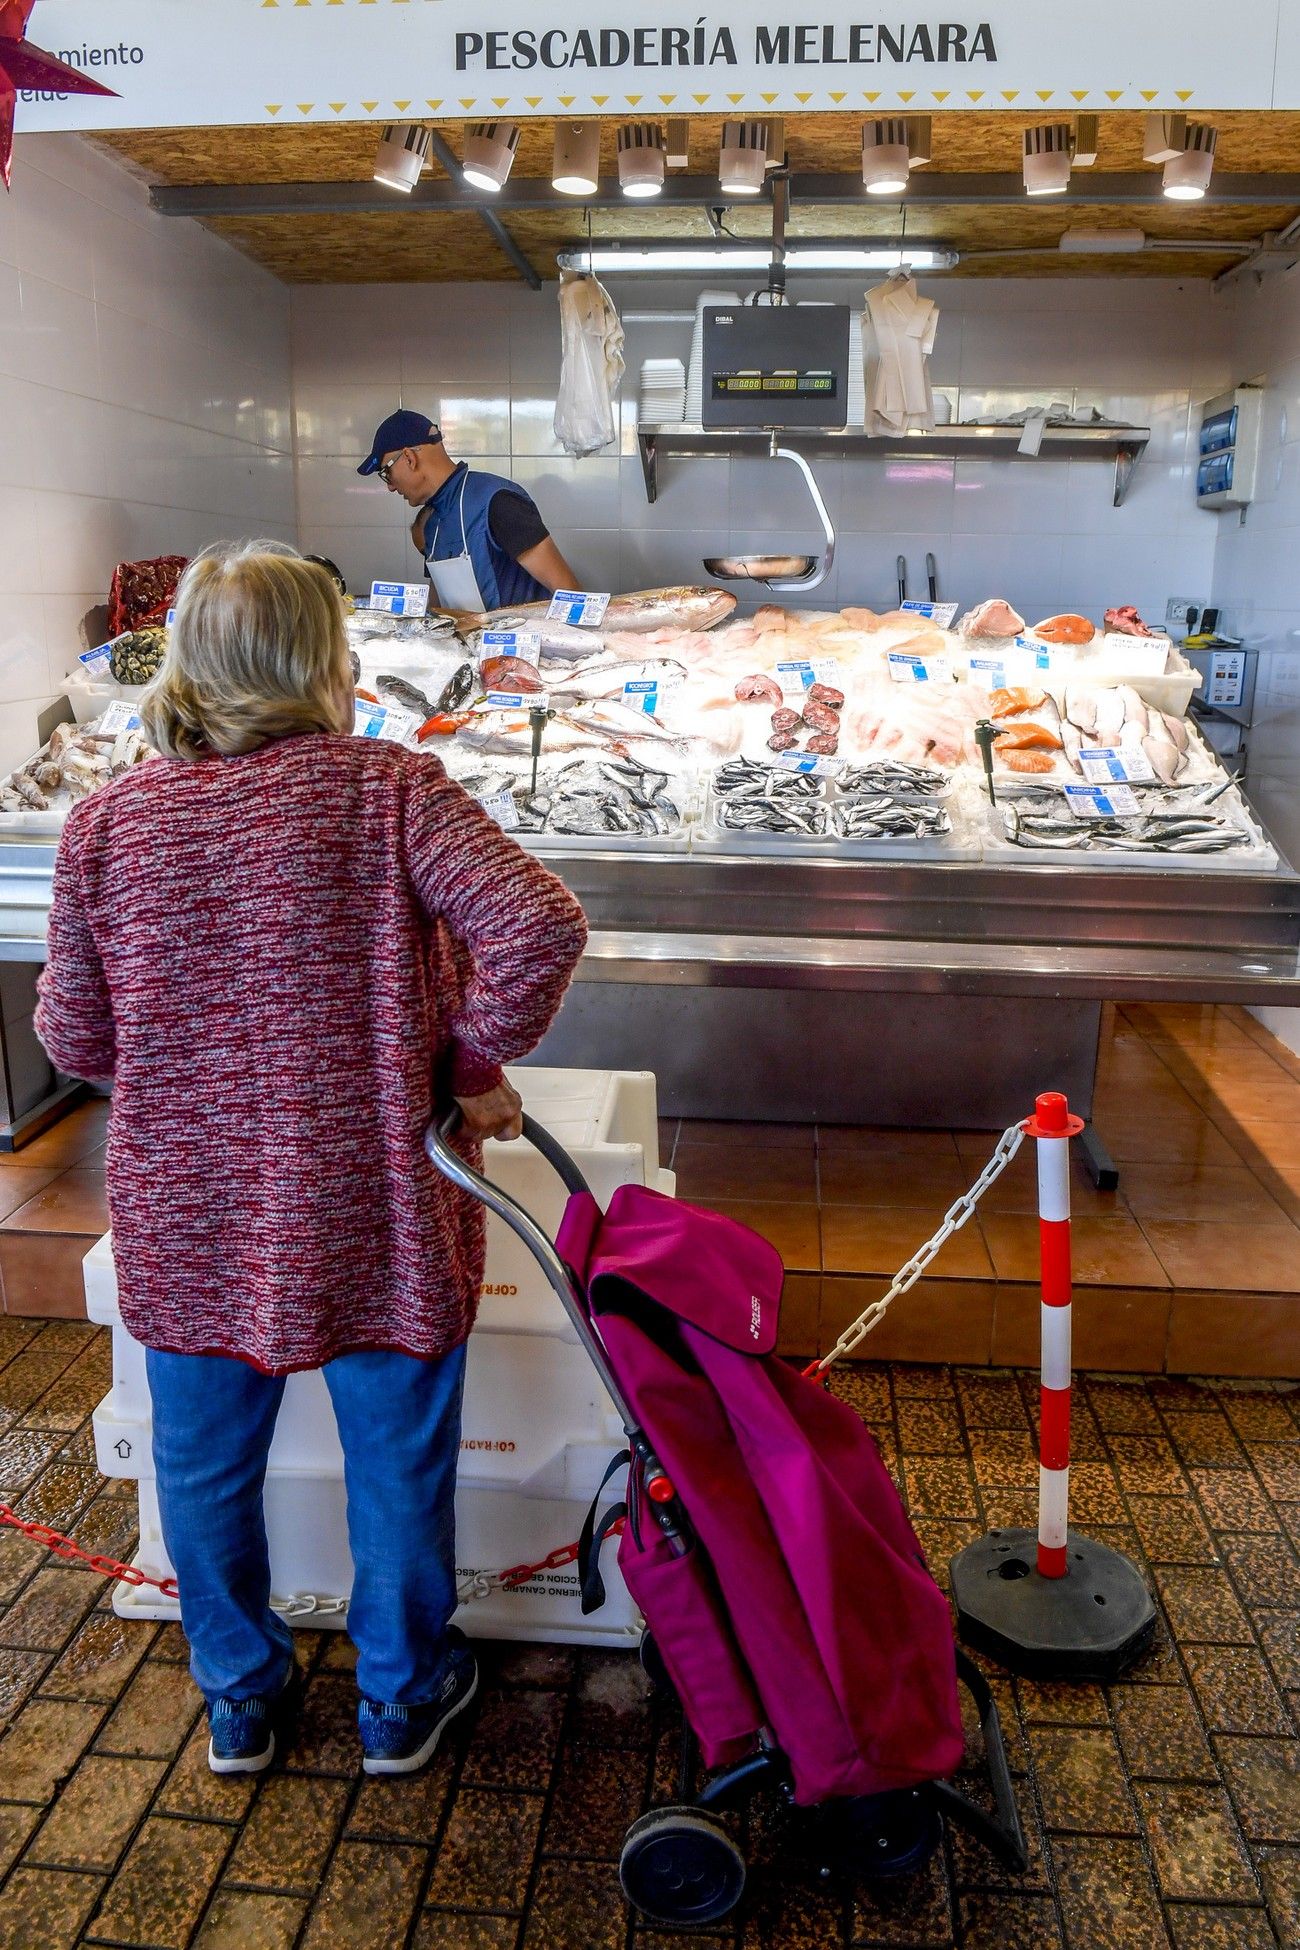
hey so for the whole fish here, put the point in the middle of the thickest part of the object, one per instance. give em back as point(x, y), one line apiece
point(400, 692)
point(609, 676)
point(560, 642)
point(683, 608)
point(456, 689)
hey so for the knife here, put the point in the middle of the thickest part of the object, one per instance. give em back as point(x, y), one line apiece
point(933, 575)
point(902, 580)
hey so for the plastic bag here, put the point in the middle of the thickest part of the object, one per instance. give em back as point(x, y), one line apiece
point(143, 592)
point(591, 340)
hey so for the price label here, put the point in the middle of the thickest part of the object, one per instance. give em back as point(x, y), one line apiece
point(992, 670)
point(97, 662)
point(511, 643)
point(642, 694)
point(918, 670)
point(801, 673)
point(1107, 764)
point(400, 598)
point(1099, 802)
point(1144, 656)
point(120, 716)
point(383, 721)
point(169, 618)
point(514, 701)
point(940, 613)
point(501, 807)
point(810, 763)
point(578, 606)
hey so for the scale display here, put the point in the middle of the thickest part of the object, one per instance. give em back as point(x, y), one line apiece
point(775, 366)
point(792, 385)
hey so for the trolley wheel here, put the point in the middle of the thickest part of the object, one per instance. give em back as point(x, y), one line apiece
point(875, 1836)
point(680, 1867)
point(652, 1663)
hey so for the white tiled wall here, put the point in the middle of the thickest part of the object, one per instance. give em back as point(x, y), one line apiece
point(144, 405)
point(486, 359)
point(1257, 562)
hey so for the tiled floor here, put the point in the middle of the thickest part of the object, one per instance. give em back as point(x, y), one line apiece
point(1163, 1811)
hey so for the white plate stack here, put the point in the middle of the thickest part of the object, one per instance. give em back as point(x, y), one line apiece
point(695, 370)
point(663, 392)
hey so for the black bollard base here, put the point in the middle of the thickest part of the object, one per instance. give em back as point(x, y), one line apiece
point(1089, 1625)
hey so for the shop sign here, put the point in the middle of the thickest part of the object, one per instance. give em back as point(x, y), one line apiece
point(229, 62)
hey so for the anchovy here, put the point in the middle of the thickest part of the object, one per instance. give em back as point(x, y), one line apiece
point(745, 778)
point(891, 775)
point(808, 820)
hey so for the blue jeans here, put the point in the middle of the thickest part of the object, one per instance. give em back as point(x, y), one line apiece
point(399, 1423)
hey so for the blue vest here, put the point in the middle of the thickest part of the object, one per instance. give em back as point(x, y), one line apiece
point(502, 583)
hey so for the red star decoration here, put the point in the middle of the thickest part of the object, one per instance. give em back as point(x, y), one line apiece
point(24, 65)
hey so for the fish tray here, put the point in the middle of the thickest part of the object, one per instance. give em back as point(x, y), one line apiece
point(1257, 858)
point(565, 845)
point(712, 838)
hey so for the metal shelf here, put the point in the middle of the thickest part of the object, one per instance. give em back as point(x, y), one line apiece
point(1122, 444)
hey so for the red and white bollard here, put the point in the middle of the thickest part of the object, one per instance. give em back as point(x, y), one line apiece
point(1059, 1606)
point(1053, 1127)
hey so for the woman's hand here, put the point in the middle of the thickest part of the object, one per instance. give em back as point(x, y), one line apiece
point(498, 1113)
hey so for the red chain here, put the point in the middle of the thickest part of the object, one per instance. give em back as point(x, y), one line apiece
point(112, 1567)
point(107, 1567)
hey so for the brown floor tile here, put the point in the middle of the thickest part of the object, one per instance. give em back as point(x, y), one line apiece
point(1160, 1734)
point(1016, 1190)
point(43, 1746)
point(1147, 1466)
point(41, 1273)
point(1279, 1872)
point(1228, 1258)
point(1205, 1439)
point(1004, 1458)
point(1202, 1606)
point(1277, 1465)
point(1279, 1634)
point(240, 1920)
point(915, 1912)
point(1001, 1922)
point(66, 1143)
point(194, 1792)
point(1123, 1407)
point(881, 1140)
point(1262, 1413)
point(1265, 1570)
point(100, 1659)
point(531, 1665)
point(1234, 1499)
point(1195, 1845)
point(287, 1838)
point(1185, 1137)
point(404, 1808)
point(880, 1239)
point(791, 1228)
point(596, 1798)
point(956, 1314)
point(162, 1888)
point(1195, 1927)
point(440, 1929)
point(1057, 1703)
point(45, 1908)
point(327, 1741)
point(19, 1183)
point(1229, 1194)
point(73, 1201)
point(611, 1704)
point(155, 1714)
point(741, 1136)
point(1172, 1530)
point(369, 1897)
point(575, 1903)
point(940, 1487)
point(711, 1171)
point(903, 1179)
point(1107, 1896)
point(991, 1401)
point(1235, 1690)
point(1115, 1327)
point(929, 1428)
point(801, 1300)
point(1263, 1779)
point(1105, 1252)
point(49, 1611)
point(96, 1815)
point(1081, 1781)
point(514, 1741)
point(16, 1825)
point(20, 1675)
point(487, 1851)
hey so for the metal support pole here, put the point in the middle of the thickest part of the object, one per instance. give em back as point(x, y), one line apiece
point(488, 218)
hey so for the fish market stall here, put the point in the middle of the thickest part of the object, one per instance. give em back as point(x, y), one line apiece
point(870, 850)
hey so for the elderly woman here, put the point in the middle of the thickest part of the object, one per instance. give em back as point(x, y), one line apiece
point(288, 947)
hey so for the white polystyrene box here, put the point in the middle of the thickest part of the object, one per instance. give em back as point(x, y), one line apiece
point(538, 1427)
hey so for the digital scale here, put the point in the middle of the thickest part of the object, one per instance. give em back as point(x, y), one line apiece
point(775, 366)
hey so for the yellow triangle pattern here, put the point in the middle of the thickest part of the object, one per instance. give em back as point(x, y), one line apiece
point(942, 94)
point(370, 107)
point(600, 100)
point(735, 98)
point(1148, 94)
point(1010, 94)
point(499, 101)
point(873, 95)
point(769, 99)
point(273, 108)
point(402, 105)
point(803, 98)
point(668, 100)
point(633, 101)
point(1078, 94)
point(1183, 94)
point(975, 94)
point(907, 95)
point(305, 108)
point(1044, 94)
point(837, 95)
point(1113, 94)
point(338, 107)
point(270, 3)
point(468, 101)
point(532, 100)
point(701, 99)
point(429, 104)
point(566, 101)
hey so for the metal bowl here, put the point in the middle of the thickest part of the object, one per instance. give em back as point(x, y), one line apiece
point(760, 568)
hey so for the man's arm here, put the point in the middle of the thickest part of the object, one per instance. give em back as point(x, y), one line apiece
point(548, 566)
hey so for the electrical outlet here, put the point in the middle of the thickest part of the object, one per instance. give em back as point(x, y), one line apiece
point(1178, 608)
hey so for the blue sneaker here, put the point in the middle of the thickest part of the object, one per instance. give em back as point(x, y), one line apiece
point(243, 1731)
point(403, 1739)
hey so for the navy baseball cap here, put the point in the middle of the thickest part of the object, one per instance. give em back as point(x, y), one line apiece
point(400, 429)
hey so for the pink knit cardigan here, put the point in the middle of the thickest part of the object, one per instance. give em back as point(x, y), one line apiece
point(285, 961)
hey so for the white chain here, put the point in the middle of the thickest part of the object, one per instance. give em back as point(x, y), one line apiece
point(953, 1220)
point(305, 1604)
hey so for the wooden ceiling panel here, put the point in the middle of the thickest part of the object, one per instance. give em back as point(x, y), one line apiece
point(431, 246)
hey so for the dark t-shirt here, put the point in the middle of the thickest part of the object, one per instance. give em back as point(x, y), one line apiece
point(515, 524)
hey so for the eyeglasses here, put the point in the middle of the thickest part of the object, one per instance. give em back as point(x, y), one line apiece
point(385, 468)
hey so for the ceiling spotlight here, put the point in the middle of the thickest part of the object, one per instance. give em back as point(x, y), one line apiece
point(1163, 137)
point(1187, 174)
point(919, 147)
point(575, 170)
point(403, 147)
point(1047, 156)
point(640, 158)
point(742, 170)
point(489, 153)
point(885, 158)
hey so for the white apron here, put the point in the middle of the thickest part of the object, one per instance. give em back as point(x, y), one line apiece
point(455, 582)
